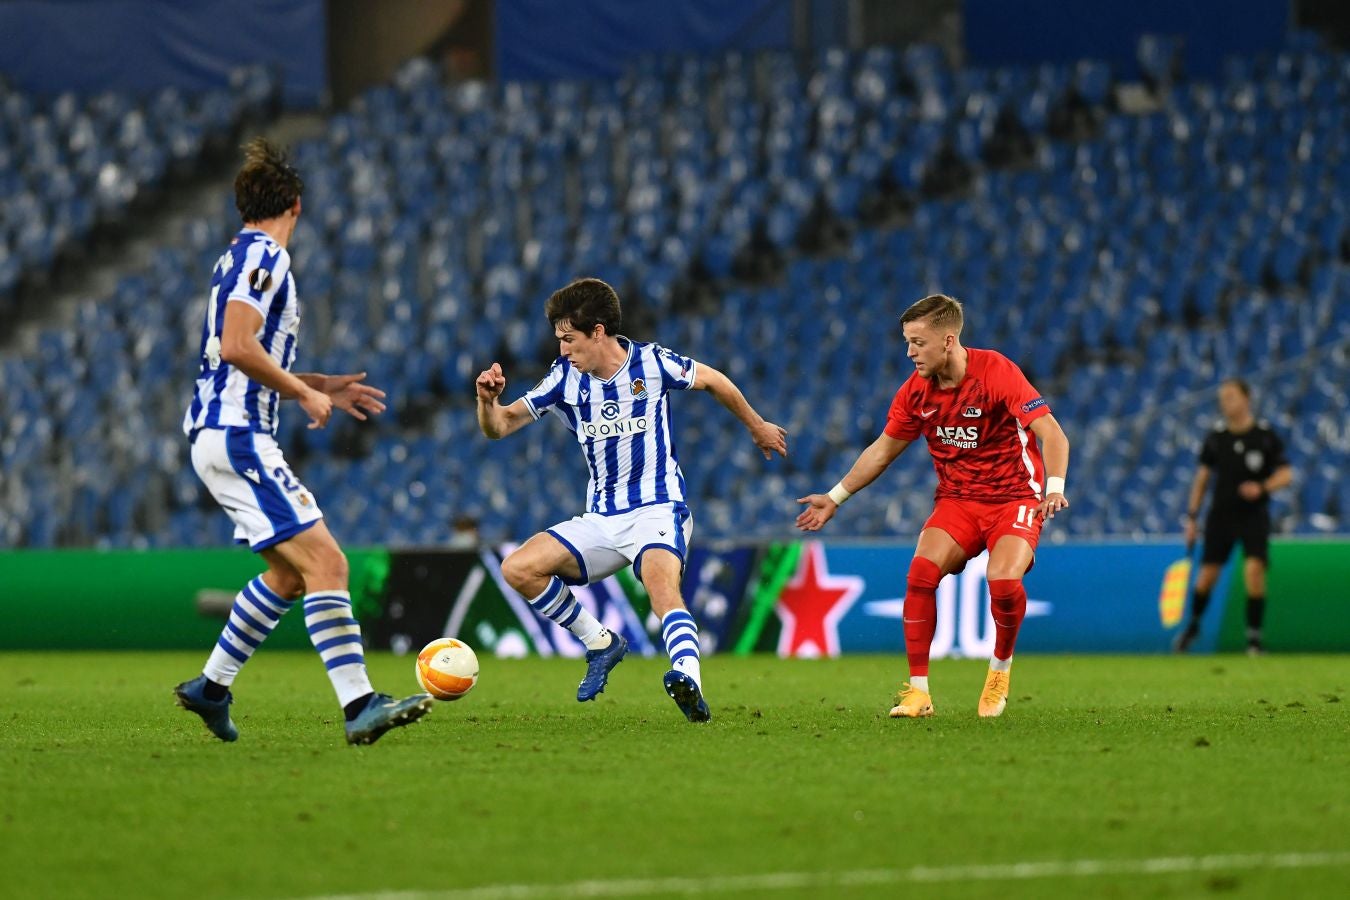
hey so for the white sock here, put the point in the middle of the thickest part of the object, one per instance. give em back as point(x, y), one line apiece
point(681, 638)
point(1000, 665)
point(255, 613)
point(336, 635)
point(558, 605)
point(919, 682)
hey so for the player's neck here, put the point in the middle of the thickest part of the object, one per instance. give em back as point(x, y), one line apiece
point(1242, 425)
point(278, 229)
point(616, 354)
point(955, 370)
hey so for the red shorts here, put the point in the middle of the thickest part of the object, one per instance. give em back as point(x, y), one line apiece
point(978, 526)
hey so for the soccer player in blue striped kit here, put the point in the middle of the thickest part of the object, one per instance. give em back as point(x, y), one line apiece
point(613, 393)
point(248, 346)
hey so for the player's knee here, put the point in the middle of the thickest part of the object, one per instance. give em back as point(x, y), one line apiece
point(1003, 572)
point(331, 566)
point(923, 573)
point(517, 570)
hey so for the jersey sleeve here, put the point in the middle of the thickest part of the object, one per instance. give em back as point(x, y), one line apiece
point(1278, 456)
point(1209, 451)
point(677, 372)
point(901, 423)
point(1024, 403)
point(548, 393)
point(261, 276)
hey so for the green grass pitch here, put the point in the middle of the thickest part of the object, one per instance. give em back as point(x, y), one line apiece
point(1108, 776)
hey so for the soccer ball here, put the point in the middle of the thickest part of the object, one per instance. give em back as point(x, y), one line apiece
point(447, 669)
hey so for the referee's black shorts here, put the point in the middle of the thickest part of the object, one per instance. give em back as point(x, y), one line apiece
point(1222, 532)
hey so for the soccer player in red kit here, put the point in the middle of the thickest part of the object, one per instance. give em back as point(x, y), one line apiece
point(978, 413)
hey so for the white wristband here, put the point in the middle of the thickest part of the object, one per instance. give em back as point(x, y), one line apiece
point(839, 494)
point(1054, 485)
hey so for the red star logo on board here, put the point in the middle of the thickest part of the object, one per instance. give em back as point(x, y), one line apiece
point(812, 604)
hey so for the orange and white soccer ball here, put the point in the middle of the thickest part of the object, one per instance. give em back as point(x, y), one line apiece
point(447, 669)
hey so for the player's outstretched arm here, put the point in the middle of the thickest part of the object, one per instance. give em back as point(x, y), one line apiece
point(240, 348)
point(495, 420)
point(1055, 450)
point(768, 437)
point(348, 392)
point(820, 508)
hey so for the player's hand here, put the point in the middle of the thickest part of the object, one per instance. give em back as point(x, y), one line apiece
point(490, 383)
point(318, 406)
point(819, 510)
point(770, 439)
point(1251, 490)
point(352, 397)
point(1052, 504)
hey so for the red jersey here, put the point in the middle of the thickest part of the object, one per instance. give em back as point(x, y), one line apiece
point(977, 432)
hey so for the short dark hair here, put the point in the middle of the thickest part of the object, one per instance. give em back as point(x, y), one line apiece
point(943, 310)
point(267, 185)
point(1239, 383)
point(584, 304)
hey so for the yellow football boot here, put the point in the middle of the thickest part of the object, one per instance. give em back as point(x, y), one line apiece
point(912, 703)
point(994, 697)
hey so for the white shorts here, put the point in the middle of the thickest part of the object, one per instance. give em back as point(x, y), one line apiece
point(246, 473)
point(602, 545)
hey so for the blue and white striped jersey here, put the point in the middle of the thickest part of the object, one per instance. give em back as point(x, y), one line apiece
point(257, 271)
point(622, 425)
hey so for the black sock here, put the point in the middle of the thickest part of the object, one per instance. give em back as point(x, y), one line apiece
point(1256, 614)
point(1199, 602)
point(353, 709)
point(214, 692)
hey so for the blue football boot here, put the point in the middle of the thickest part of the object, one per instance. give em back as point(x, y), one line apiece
point(685, 692)
point(191, 695)
point(382, 713)
point(598, 665)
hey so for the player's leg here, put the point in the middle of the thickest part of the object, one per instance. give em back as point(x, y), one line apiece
point(336, 635)
point(257, 610)
point(541, 570)
point(1219, 542)
point(660, 570)
point(573, 552)
point(937, 554)
point(1256, 549)
point(1009, 559)
point(259, 606)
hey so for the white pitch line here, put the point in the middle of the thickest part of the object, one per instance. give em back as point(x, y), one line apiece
point(782, 881)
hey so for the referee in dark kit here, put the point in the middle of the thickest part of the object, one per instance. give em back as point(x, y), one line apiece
point(1248, 461)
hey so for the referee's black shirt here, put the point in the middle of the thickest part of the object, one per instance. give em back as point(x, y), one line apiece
point(1252, 455)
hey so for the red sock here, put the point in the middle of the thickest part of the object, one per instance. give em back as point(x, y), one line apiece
point(920, 612)
point(1008, 602)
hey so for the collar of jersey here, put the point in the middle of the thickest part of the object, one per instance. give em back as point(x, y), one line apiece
point(626, 363)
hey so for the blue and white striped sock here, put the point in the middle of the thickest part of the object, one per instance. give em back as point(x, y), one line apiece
point(255, 613)
point(336, 635)
point(557, 604)
point(681, 636)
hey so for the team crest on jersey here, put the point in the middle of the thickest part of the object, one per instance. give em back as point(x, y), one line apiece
point(639, 389)
point(260, 279)
point(973, 412)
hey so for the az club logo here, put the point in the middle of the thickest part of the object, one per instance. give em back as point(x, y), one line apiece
point(973, 412)
point(610, 411)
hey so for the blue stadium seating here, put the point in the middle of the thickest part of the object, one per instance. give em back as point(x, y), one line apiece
point(1128, 267)
point(69, 163)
